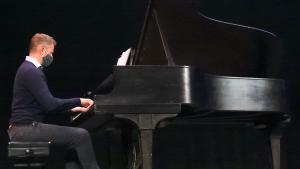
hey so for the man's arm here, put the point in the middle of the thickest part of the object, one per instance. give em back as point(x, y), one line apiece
point(36, 83)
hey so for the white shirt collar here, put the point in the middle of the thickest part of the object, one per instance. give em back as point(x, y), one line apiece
point(33, 60)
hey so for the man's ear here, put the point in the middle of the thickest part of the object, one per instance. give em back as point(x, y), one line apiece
point(43, 50)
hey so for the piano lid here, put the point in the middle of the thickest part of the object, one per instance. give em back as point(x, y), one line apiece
point(176, 33)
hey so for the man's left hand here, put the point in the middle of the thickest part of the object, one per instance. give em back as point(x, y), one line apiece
point(79, 109)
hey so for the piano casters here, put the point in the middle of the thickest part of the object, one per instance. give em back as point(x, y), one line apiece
point(146, 124)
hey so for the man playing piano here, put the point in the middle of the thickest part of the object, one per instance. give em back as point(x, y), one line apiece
point(32, 100)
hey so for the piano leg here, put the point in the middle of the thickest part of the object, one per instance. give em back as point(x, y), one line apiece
point(146, 137)
point(146, 124)
point(275, 140)
point(275, 146)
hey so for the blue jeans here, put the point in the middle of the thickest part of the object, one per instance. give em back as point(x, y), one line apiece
point(71, 137)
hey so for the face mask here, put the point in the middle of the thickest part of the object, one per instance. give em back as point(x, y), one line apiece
point(47, 60)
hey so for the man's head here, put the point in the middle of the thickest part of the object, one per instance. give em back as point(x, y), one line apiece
point(42, 48)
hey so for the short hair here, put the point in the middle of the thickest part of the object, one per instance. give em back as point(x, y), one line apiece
point(41, 39)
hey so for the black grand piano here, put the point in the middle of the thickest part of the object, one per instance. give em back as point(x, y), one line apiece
point(189, 65)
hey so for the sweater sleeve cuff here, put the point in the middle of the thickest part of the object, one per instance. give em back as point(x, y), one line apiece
point(76, 102)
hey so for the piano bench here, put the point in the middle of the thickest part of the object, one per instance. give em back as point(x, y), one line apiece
point(29, 154)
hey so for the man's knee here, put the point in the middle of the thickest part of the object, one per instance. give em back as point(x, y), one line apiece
point(83, 134)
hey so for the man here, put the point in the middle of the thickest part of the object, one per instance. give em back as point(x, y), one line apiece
point(32, 100)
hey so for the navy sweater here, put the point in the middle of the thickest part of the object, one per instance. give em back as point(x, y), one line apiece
point(32, 98)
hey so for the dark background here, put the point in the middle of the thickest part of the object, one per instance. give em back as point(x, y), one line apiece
point(92, 34)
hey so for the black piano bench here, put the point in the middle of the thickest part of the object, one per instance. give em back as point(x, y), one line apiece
point(25, 155)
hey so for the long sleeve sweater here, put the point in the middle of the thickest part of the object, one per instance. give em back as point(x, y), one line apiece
point(32, 98)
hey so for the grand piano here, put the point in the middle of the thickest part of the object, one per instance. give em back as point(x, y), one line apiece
point(192, 66)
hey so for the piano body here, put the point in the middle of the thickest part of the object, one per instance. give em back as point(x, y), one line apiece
point(187, 63)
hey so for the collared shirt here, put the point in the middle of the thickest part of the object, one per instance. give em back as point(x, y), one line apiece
point(34, 61)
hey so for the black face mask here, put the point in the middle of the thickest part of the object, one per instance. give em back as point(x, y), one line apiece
point(47, 60)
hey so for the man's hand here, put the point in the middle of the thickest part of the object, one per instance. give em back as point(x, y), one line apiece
point(86, 105)
point(79, 110)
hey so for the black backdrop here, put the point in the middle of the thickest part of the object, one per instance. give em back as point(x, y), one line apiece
point(92, 34)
